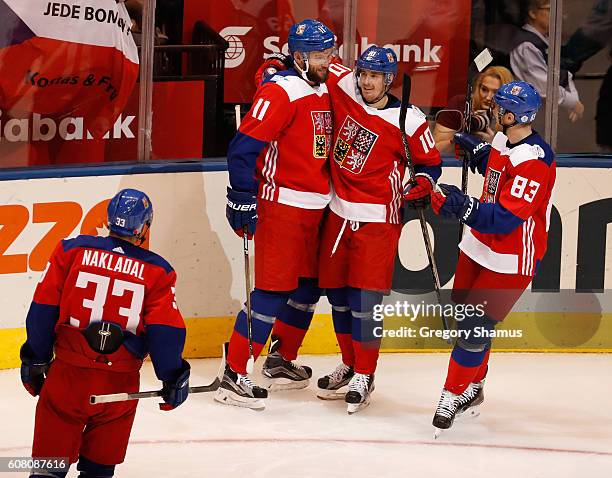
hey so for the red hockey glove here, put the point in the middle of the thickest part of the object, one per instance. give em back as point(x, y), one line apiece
point(270, 67)
point(437, 200)
point(417, 194)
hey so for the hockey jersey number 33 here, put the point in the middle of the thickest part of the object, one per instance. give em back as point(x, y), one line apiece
point(519, 178)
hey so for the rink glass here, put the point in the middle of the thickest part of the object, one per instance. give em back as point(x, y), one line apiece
point(206, 53)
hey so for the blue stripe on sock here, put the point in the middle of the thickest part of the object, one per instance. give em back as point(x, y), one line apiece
point(468, 359)
point(342, 321)
point(261, 330)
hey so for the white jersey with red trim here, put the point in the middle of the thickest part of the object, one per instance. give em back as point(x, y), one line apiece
point(521, 179)
point(368, 155)
point(293, 120)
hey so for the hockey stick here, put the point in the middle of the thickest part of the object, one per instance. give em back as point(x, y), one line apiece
point(406, 87)
point(121, 397)
point(481, 61)
point(247, 279)
point(247, 276)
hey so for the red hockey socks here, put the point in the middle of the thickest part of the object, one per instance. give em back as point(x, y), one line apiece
point(366, 356)
point(291, 338)
point(482, 371)
point(295, 317)
point(265, 308)
point(291, 327)
point(463, 368)
point(238, 353)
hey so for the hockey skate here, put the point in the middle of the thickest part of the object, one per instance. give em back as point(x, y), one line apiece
point(283, 374)
point(330, 385)
point(237, 389)
point(470, 400)
point(361, 387)
point(448, 407)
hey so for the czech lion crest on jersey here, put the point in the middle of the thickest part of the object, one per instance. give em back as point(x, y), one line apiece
point(353, 145)
point(323, 131)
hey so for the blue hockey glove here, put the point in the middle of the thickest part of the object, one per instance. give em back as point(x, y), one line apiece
point(449, 201)
point(175, 392)
point(33, 371)
point(241, 211)
point(476, 149)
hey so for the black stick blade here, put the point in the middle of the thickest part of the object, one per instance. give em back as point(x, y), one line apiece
point(406, 87)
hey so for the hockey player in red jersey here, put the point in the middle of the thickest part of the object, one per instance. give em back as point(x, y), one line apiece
point(102, 304)
point(361, 232)
point(504, 241)
point(279, 183)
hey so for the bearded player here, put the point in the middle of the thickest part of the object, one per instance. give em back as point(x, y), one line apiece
point(279, 184)
point(101, 305)
point(504, 241)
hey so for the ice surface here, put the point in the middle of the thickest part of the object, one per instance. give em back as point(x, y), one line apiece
point(545, 415)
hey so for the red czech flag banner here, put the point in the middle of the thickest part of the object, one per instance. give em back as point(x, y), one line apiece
point(72, 59)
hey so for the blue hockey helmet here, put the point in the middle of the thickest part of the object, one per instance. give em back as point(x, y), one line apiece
point(310, 35)
point(129, 211)
point(383, 60)
point(519, 98)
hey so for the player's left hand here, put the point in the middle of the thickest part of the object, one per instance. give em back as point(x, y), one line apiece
point(33, 371)
point(175, 392)
point(449, 201)
point(417, 194)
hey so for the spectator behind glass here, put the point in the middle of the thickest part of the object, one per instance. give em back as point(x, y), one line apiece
point(482, 122)
point(529, 58)
point(590, 38)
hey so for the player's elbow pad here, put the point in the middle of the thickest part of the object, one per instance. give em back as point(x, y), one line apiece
point(40, 326)
point(241, 161)
point(165, 344)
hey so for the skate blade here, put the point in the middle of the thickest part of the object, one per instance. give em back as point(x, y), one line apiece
point(438, 432)
point(323, 394)
point(471, 412)
point(353, 408)
point(227, 397)
point(282, 384)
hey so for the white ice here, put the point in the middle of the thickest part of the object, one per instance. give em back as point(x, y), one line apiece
point(545, 415)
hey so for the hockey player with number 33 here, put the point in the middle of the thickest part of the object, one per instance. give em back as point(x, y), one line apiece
point(504, 241)
point(102, 304)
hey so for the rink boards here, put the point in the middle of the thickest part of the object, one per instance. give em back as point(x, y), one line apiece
point(39, 207)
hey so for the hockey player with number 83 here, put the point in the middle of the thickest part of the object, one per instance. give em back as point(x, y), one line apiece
point(504, 241)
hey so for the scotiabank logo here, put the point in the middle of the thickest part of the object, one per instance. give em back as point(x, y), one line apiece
point(235, 54)
point(40, 128)
point(426, 52)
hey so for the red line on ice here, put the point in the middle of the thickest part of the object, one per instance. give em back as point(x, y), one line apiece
point(436, 443)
